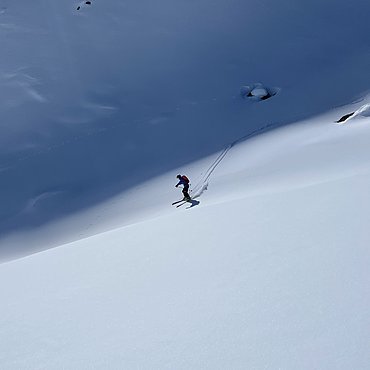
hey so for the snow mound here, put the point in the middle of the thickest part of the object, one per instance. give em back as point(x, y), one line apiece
point(364, 111)
point(258, 91)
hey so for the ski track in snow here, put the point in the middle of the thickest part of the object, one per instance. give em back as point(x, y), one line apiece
point(202, 184)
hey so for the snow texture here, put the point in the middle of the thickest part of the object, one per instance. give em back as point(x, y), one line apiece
point(102, 106)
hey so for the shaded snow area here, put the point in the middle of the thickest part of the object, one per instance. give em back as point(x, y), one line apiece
point(96, 101)
point(264, 105)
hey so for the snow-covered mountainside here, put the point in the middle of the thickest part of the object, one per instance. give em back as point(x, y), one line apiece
point(267, 269)
point(264, 105)
point(95, 101)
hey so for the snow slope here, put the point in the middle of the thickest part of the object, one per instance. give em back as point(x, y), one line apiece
point(102, 107)
point(96, 101)
point(269, 271)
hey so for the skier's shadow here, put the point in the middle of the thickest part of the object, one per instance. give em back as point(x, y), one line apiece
point(193, 203)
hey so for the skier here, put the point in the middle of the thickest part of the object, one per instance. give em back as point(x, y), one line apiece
point(184, 181)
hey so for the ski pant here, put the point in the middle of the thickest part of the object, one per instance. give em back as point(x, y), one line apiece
point(185, 191)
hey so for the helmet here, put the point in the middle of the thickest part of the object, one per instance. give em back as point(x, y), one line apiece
point(179, 176)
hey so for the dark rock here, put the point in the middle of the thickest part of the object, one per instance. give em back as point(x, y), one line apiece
point(345, 117)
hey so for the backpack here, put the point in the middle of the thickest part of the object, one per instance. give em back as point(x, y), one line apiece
point(185, 179)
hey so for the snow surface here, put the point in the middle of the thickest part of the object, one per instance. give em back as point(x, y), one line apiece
point(95, 102)
point(269, 271)
point(102, 107)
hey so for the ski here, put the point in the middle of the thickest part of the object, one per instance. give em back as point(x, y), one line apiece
point(181, 204)
point(182, 200)
point(178, 201)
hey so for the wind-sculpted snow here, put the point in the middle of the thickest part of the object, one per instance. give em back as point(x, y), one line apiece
point(363, 111)
point(93, 102)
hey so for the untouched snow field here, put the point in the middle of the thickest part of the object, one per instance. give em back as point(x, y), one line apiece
point(101, 108)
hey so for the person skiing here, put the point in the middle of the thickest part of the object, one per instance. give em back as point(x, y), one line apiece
point(185, 182)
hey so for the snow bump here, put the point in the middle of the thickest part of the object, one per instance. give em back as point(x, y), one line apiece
point(258, 92)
